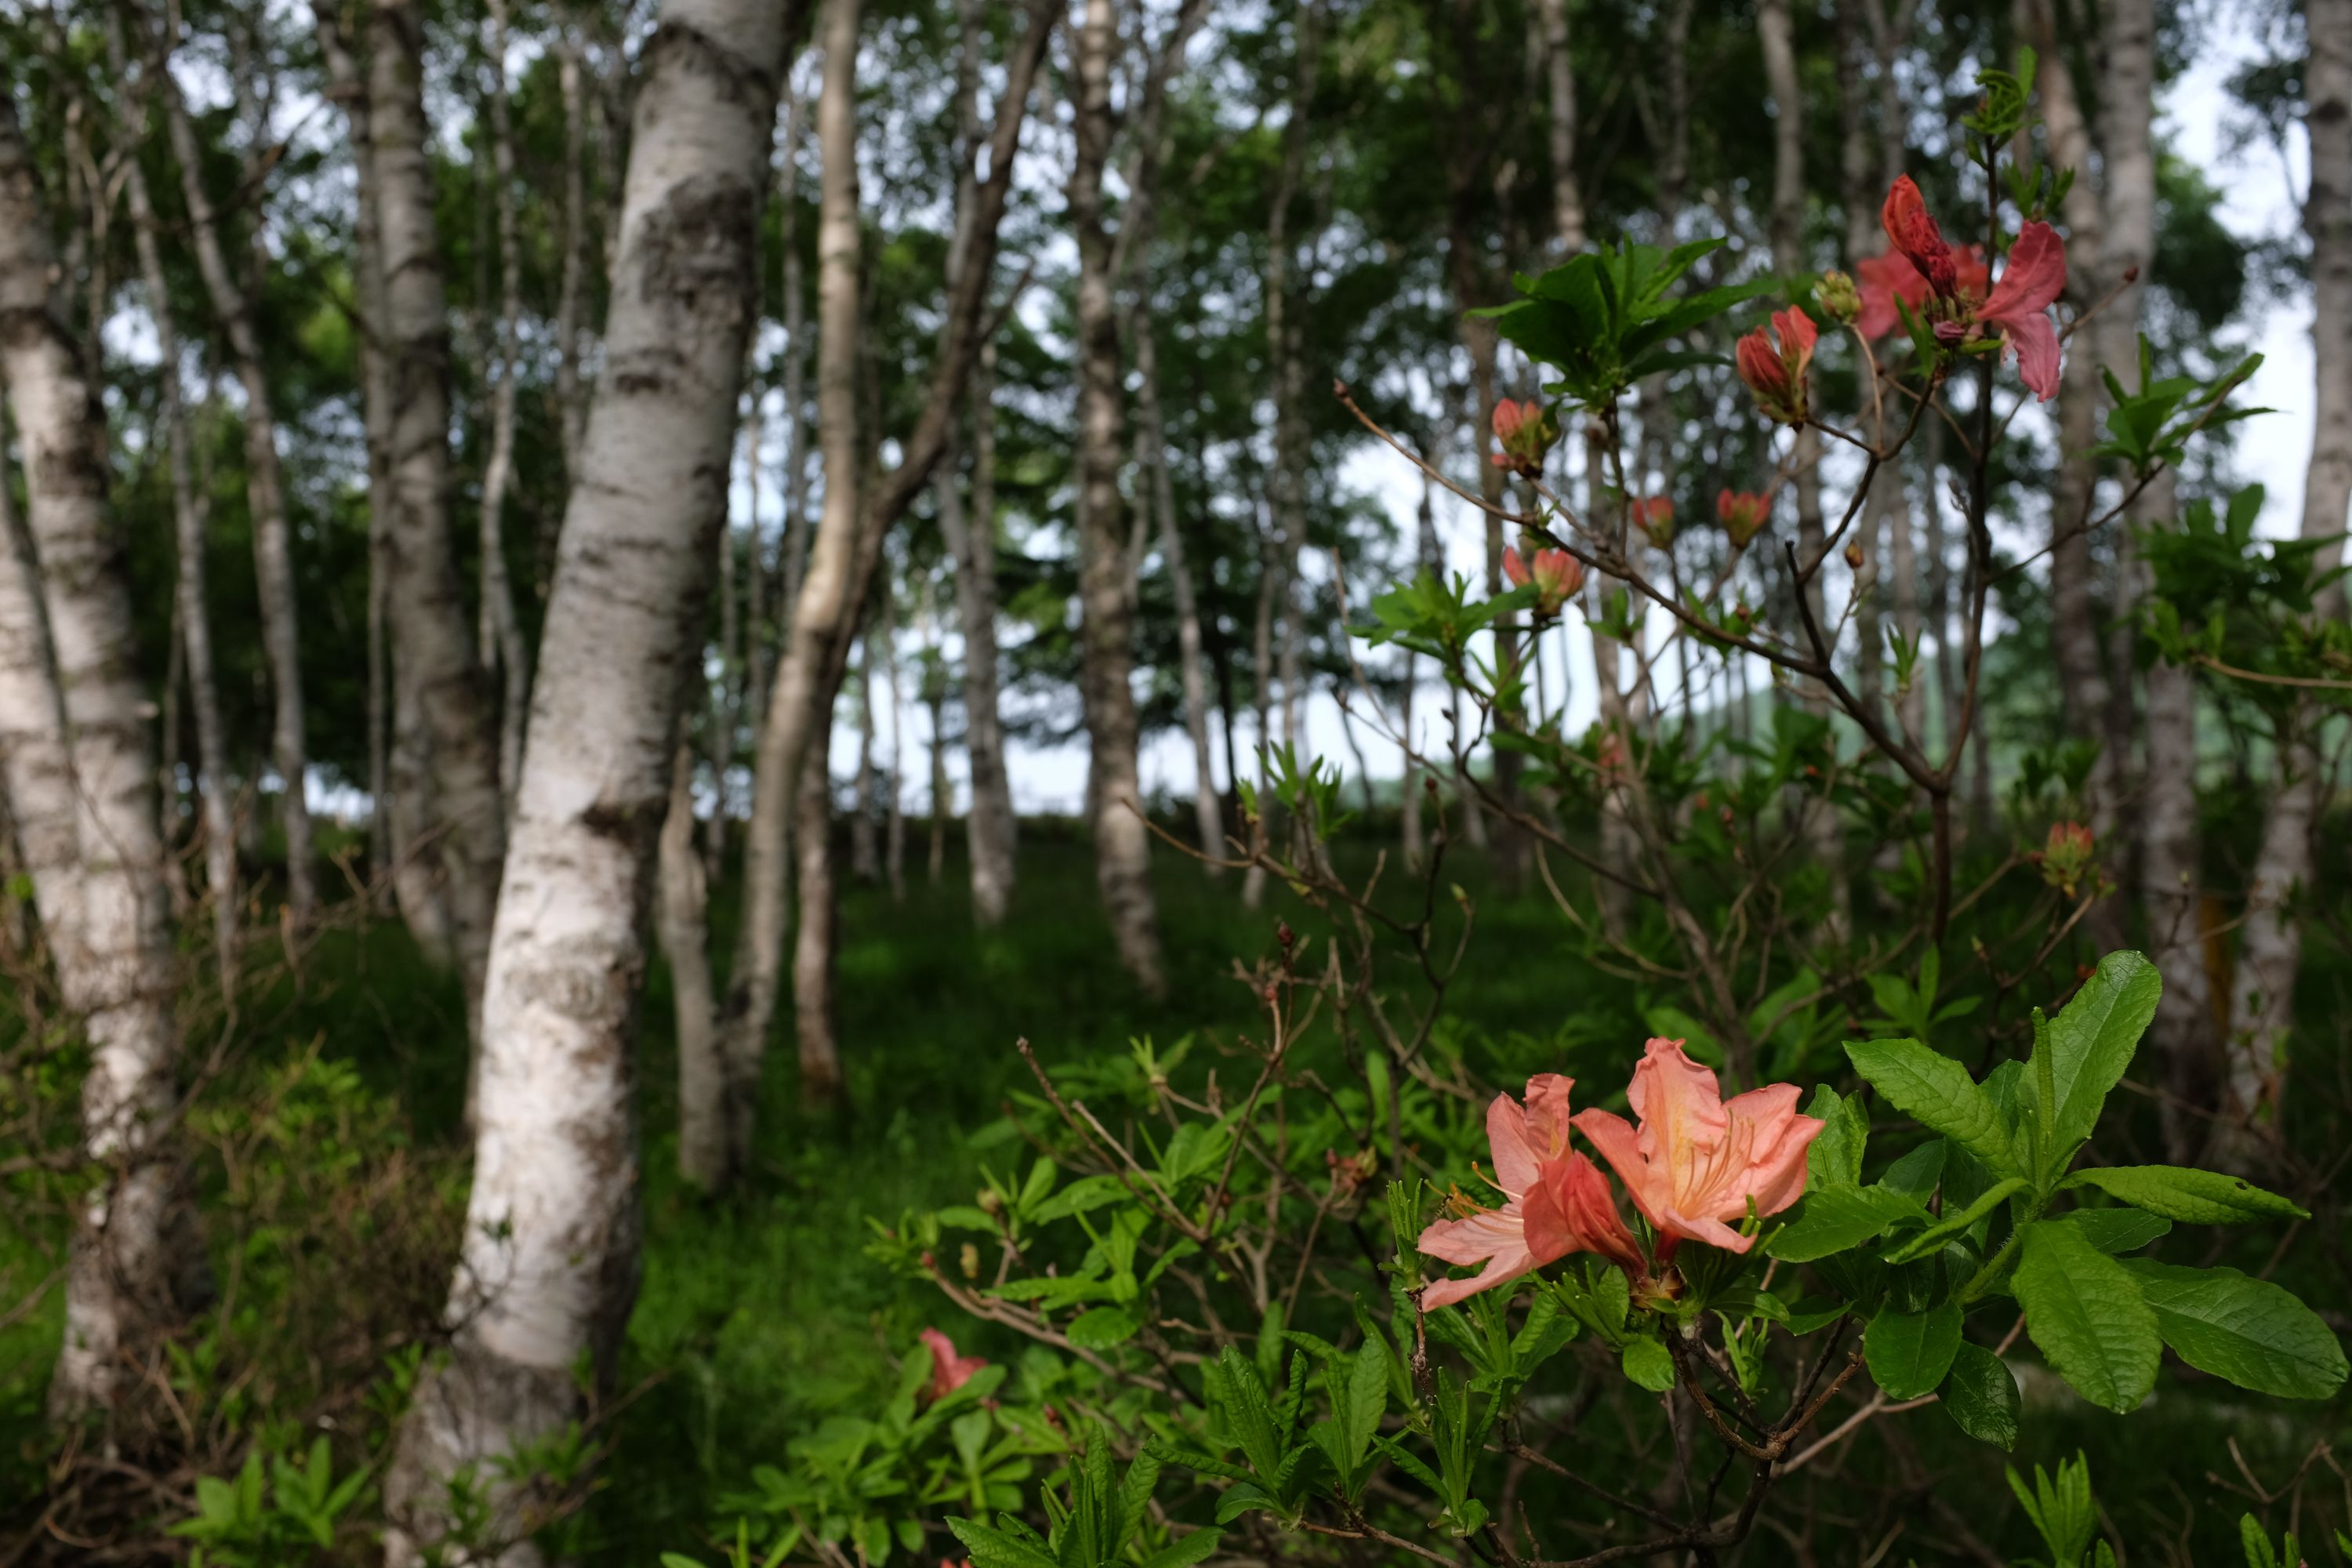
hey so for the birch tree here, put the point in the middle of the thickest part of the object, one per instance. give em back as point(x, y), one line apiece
point(501, 649)
point(191, 509)
point(78, 716)
point(848, 541)
point(548, 1272)
point(2270, 954)
point(265, 485)
point(1107, 630)
point(443, 742)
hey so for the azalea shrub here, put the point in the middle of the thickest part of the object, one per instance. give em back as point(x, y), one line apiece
point(1364, 1284)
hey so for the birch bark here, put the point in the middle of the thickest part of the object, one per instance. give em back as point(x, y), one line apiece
point(503, 650)
point(131, 1266)
point(2262, 999)
point(549, 1267)
point(265, 489)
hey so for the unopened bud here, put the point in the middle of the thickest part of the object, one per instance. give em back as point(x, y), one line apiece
point(1840, 299)
point(1284, 934)
point(988, 1203)
point(969, 1260)
point(1854, 554)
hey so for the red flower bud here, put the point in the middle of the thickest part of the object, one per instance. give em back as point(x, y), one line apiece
point(1911, 230)
point(1743, 515)
point(1777, 375)
point(1556, 576)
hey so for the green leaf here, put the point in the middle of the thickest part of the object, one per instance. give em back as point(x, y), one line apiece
point(1955, 1222)
point(1078, 1197)
point(1909, 1352)
point(1937, 1092)
point(990, 1548)
point(1103, 1328)
point(1980, 1396)
point(2092, 1039)
point(1835, 1160)
point(2116, 1230)
point(1839, 1219)
point(1647, 1363)
point(1182, 1551)
point(2193, 1198)
point(1915, 1175)
point(2254, 1333)
point(2084, 1310)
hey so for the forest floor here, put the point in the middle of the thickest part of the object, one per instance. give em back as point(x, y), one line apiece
point(760, 1315)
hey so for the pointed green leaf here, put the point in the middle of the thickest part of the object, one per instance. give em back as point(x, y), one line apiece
point(1980, 1396)
point(2092, 1039)
point(1839, 1219)
point(1909, 1352)
point(2083, 1311)
point(1647, 1363)
point(2192, 1196)
point(1955, 1222)
point(2254, 1333)
point(1937, 1092)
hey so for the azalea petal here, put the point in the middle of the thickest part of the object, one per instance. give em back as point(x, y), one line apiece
point(1591, 1212)
point(2036, 343)
point(2034, 277)
point(1645, 1182)
point(1777, 1138)
point(1679, 1103)
point(1498, 1238)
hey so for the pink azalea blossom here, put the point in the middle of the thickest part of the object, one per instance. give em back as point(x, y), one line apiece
point(1883, 279)
point(1557, 1201)
point(1698, 1161)
point(950, 1371)
point(2020, 307)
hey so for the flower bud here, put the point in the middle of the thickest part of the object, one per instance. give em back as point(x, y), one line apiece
point(1776, 374)
point(1655, 516)
point(1853, 556)
point(1526, 431)
point(1840, 299)
point(2066, 858)
point(1743, 515)
point(1554, 576)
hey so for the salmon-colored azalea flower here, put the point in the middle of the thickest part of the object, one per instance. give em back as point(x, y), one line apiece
point(1743, 514)
point(1776, 374)
point(2020, 307)
point(1698, 1161)
point(1556, 575)
point(1883, 279)
point(1912, 230)
point(1557, 1201)
point(950, 1371)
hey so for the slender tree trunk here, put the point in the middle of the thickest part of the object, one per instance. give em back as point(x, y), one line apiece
point(894, 778)
point(2270, 954)
point(461, 820)
point(1122, 844)
point(571, 300)
point(1269, 578)
point(795, 541)
point(131, 1266)
point(864, 850)
point(190, 515)
point(842, 560)
point(1208, 815)
point(390, 817)
point(684, 928)
point(816, 942)
point(502, 648)
point(989, 831)
point(264, 485)
point(549, 1263)
point(2074, 622)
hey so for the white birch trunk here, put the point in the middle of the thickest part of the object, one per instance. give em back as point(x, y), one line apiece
point(1208, 812)
point(684, 927)
point(2270, 954)
point(191, 512)
point(841, 562)
point(131, 1261)
point(265, 486)
point(549, 1267)
point(442, 722)
point(502, 646)
point(1122, 843)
